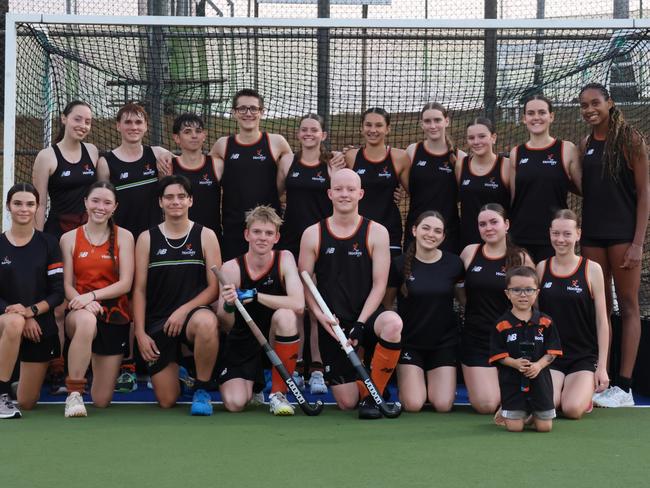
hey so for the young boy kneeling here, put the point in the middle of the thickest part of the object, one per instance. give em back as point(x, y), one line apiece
point(524, 342)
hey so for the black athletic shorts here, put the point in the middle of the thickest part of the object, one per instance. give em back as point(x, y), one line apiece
point(474, 356)
point(338, 369)
point(111, 339)
point(597, 242)
point(40, 352)
point(169, 347)
point(575, 364)
point(429, 359)
point(538, 399)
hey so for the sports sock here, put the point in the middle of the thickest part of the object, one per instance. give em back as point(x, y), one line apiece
point(383, 364)
point(286, 347)
point(5, 387)
point(57, 365)
point(300, 367)
point(624, 383)
point(201, 385)
point(316, 366)
point(78, 385)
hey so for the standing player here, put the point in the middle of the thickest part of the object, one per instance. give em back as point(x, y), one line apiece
point(31, 285)
point(132, 169)
point(350, 257)
point(573, 293)
point(482, 177)
point(98, 273)
point(426, 277)
point(381, 170)
point(65, 171)
point(525, 342)
point(200, 169)
point(172, 293)
point(306, 180)
point(615, 212)
point(431, 175)
point(541, 172)
point(247, 168)
point(267, 282)
point(485, 270)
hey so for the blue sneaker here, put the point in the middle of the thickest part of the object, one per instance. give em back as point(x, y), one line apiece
point(201, 403)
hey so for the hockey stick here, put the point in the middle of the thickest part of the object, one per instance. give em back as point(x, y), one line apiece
point(388, 410)
point(310, 410)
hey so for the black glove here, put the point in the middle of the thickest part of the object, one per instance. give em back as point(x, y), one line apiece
point(357, 331)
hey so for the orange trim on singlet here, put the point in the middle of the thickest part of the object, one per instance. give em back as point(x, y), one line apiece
point(264, 273)
point(302, 162)
point(494, 163)
point(482, 246)
point(540, 148)
point(195, 170)
point(430, 153)
point(368, 239)
point(545, 321)
point(478, 246)
point(554, 352)
point(591, 293)
point(53, 265)
point(94, 163)
point(374, 161)
point(319, 241)
point(342, 238)
point(593, 136)
point(252, 143)
point(575, 270)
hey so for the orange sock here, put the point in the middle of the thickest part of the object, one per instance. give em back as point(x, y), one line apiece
point(75, 385)
point(57, 365)
point(382, 365)
point(287, 349)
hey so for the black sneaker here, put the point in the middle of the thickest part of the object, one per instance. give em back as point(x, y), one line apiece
point(368, 409)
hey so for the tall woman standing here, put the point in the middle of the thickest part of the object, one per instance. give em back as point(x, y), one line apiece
point(615, 213)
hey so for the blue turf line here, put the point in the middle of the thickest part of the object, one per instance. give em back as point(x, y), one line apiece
point(145, 395)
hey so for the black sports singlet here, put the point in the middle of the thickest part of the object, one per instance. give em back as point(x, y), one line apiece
point(307, 202)
point(206, 193)
point(344, 270)
point(432, 186)
point(608, 206)
point(249, 180)
point(569, 301)
point(136, 183)
point(485, 282)
point(541, 188)
point(67, 187)
point(474, 192)
point(175, 276)
point(379, 181)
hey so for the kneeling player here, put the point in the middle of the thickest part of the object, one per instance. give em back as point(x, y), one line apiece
point(525, 342)
point(267, 282)
point(172, 291)
point(350, 257)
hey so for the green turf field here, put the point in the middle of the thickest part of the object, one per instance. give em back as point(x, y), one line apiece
point(144, 446)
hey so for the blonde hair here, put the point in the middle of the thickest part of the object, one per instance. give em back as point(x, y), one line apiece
point(265, 214)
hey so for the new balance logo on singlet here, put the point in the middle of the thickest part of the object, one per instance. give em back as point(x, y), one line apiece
point(465, 182)
point(511, 338)
point(295, 174)
point(124, 176)
point(234, 156)
point(421, 163)
point(6, 261)
point(330, 250)
point(65, 173)
point(361, 171)
point(590, 152)
point(83, 254)
point(161, 252)
point(477, 269)
point(548, 284)
point(523, 160)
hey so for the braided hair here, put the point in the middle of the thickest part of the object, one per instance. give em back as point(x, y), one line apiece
point(448, 140)
point(621, 136)
point(412, 248)
point(325, 154)
point(111, 223)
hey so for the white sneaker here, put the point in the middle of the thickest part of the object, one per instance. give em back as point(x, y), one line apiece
point(279, 405)
point(614, 397)
point(317, 384)
point(298, 380)
point(8, 409)
point(74, 405)
point(257, 399)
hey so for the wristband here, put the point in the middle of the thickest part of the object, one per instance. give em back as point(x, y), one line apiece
point(94, 296)
point(246, 296)
point(228, 308)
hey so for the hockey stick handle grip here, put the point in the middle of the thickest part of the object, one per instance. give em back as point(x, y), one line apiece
point(340, 335)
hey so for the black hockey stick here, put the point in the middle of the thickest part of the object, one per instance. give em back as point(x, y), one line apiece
point(388, 410)
point(310, 410)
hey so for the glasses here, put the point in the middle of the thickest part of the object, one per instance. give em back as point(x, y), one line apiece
point(529, 292)
point(242, 109)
